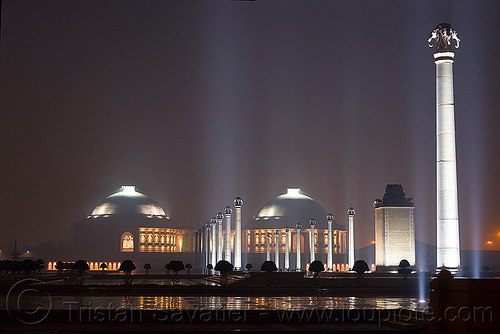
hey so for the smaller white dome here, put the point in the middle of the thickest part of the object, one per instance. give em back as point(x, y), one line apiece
point(128, 201)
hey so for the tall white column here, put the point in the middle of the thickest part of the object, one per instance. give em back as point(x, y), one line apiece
point(206, 245)
point(213, 224)
point(287, 249)
point(299, 264)
point(329, 219)
point(238, 202)
point(351, 213)
point(268, 246)
point(448, 241)
point(312, 241)
point(277, 249)
point(220, 216)
point(227, 252)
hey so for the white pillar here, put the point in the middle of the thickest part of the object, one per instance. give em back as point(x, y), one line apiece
point(206, 245)
point(351, 214)
point(268, 246)
point(329, 218)
point(213, 224)
point(220, 216)
point(448, 241)
point(238, 202)
point(312, 241)
point(299, 264)
point(287, 249)
point(227, 251)
point(277, 250)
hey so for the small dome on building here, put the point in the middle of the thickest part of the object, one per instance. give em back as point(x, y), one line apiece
point(287, 210)
point(128, 201)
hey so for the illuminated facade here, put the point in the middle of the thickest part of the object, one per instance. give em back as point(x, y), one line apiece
point(131, 225)
point(282, 214)
point(394, 228)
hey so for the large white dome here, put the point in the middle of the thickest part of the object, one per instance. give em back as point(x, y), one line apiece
point(287, 210)
point(128, 201)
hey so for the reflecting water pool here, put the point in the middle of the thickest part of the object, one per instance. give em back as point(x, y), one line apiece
point(58, 302)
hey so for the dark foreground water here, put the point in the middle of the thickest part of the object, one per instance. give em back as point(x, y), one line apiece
point(34, 300)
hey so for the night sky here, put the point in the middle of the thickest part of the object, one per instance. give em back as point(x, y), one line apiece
point(197, 102)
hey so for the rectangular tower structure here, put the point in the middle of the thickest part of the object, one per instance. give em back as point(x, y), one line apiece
point(394, 228)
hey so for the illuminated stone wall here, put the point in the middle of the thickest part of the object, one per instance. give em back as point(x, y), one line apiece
point(255, 241)
point(394, 235)
point(165, 240)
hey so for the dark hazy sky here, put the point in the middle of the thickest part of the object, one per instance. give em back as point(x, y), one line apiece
point(197, 102)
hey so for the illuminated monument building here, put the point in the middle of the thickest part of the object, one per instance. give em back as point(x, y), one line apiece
point(130, 225)
point(394, 228)
point(448, 241)
point(282, 219)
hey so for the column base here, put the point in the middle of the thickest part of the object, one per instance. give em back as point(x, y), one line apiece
point(238, 269)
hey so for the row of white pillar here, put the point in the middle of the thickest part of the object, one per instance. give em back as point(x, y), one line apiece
point(214, 228)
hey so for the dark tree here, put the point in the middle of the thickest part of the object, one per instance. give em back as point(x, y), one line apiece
point(210, 267)
point(360, 267)
point(404, 263)
point(28, 266)
point(146, 267)
point(103, 266)
point(189, 266)
point(224, 267)
point(316, 267)
point(175, 266)
point(403, 268)
point(249, 266)
point(60, 266)
point(127, 266)
point(268, 266)
point(40, 264)
point(80, 266)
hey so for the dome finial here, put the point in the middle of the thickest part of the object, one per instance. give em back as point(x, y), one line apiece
point(128, 189)
point(443, 34)
point(238, 202)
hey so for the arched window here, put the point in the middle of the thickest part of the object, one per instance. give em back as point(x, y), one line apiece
point(142, 239)
point(127, 242)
